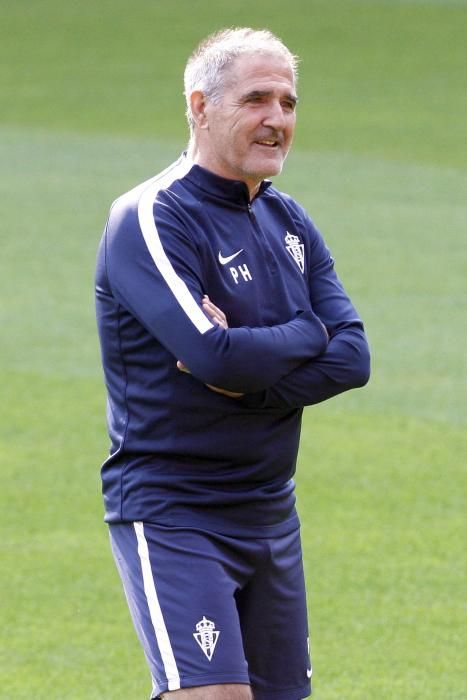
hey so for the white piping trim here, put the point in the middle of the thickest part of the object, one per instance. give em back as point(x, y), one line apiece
point(157, 619)
point(156, 249)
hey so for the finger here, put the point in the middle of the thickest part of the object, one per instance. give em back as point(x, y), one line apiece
point(215, 314)
point(225, 392)
point(220, 321)
point(216, 318)
point(209, 304)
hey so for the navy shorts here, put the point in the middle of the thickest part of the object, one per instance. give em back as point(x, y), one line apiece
point(212, 609)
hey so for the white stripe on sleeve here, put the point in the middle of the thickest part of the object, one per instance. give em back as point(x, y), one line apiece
point(156, 249)
point(157, 619)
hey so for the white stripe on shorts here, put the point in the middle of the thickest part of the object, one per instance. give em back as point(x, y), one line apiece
point(157, 619)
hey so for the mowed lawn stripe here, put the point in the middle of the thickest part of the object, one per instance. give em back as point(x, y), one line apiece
point(380, 478)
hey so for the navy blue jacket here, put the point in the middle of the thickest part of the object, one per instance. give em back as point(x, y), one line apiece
point(180, 453)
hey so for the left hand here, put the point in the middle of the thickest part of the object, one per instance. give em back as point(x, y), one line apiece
point(216, 314)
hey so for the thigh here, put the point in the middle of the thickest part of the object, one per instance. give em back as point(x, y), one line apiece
point(211, 692)
point(273, 615)
point(180, 585)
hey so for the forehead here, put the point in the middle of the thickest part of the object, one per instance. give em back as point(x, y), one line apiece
point(251, 72)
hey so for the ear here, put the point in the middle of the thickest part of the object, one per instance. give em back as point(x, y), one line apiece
point(198, 109)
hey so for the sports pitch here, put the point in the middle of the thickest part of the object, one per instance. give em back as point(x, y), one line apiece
point(92, 103)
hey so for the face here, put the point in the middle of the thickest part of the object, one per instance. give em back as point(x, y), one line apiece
point(247, 135)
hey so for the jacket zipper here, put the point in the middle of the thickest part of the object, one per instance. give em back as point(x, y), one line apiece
point(267, 250)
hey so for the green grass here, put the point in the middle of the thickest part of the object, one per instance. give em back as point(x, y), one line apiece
point(378, 77)
point(380, 162)
point(384, 547)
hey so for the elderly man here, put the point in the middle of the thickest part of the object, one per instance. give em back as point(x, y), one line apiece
point(220, 317)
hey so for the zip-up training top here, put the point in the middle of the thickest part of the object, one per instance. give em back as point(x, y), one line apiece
point(182, 454)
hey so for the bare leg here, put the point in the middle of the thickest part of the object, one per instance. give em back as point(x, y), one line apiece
point(229, 691)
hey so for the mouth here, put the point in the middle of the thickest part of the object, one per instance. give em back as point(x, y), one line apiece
point(268, 143)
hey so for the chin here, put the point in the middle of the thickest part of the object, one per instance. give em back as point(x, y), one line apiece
point(273, 166)
point(267, 170)
point(272, 171)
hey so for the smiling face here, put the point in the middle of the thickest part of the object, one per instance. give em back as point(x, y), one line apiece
point(247, 134)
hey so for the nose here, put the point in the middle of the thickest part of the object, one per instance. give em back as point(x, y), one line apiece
point(275, 116)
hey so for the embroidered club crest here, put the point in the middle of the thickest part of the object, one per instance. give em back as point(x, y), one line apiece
point(206, 636)
point(296, 250)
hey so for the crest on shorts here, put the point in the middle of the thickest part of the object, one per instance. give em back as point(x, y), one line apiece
point(296, 250)
point(206, 635)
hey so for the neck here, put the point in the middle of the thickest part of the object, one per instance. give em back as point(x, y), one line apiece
point(195, 154)
point(192, 150)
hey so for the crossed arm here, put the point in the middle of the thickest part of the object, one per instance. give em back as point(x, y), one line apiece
point(293, 364)
point(218, 317)
point(344, 365)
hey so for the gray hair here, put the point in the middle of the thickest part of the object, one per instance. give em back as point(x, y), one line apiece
point(207, 66)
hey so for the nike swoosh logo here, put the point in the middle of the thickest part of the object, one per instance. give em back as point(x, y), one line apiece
point(309, 672)
point(224, 261)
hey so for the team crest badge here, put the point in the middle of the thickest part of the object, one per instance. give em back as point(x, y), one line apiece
point(296, 250)
point(206, 636)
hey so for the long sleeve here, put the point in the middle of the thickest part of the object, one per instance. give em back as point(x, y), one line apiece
point(345, 364)
point(180, 452)
point(151, 265)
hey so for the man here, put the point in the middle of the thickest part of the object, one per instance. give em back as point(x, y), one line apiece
point(220, 317)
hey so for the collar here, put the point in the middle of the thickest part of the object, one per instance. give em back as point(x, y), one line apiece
point(235, 191)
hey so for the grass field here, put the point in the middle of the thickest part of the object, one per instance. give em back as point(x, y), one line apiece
point(91, 104)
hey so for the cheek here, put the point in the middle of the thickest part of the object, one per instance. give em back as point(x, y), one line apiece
point(237, 135)
point(290, 125)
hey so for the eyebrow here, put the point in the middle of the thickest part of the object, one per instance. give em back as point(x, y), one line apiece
point(267, 93)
